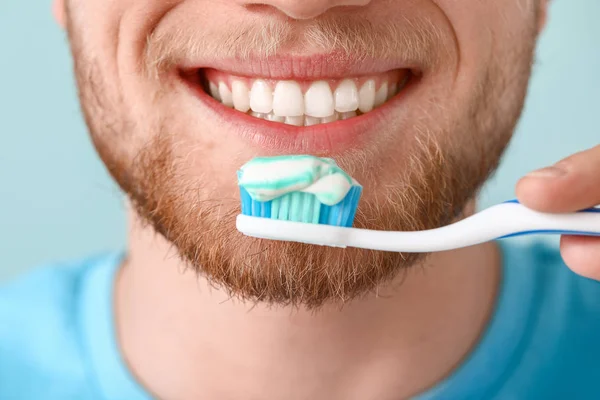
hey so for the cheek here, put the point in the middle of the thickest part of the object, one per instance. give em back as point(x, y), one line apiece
point(58, 11)
point(137, 22)
point(495, 42)
point(112, 36)
point(486, 30)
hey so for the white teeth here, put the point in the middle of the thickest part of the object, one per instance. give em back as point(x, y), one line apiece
point(305, 120)
point(381, 95)
point(274, 118)
point(318, 100)
point(214, 91)
point(347, 115)
point(288, 100)
point(286, 103)
point(268, 116)
point(366, 96)
point(309, 121)
point(261, 97)
point(331, 118)
point(297, 121)
point(225, 95)
point(346, 96)
point(393, 90)
point(241, 96)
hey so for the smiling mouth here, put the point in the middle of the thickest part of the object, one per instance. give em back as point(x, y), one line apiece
point(302, 102)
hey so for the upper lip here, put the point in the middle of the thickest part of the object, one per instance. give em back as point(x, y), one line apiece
point(321, 66)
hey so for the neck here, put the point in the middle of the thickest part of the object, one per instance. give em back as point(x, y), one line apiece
point(186, 340)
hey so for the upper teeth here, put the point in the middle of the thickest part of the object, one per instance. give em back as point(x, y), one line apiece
point(284, 101)
point(287, 99)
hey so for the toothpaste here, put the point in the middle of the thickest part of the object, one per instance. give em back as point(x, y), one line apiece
point(267, 178)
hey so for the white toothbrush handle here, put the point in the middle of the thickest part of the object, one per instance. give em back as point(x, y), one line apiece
point(505, 219)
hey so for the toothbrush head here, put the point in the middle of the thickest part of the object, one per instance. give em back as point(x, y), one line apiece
point(304, 189)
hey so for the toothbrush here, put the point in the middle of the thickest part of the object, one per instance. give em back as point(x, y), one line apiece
point(497, 222)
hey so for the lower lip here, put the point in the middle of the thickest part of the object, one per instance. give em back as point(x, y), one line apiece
point(325, 139)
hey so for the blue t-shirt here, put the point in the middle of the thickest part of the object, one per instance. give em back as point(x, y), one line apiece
point(57, 335)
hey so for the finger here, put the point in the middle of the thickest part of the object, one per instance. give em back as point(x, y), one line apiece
point(570, 185)
point(582, 255)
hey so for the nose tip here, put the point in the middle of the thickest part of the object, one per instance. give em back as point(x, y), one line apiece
point(308, 9)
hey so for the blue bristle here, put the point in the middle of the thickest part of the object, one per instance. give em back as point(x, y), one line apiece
point(343, 211)
point(267, 210)
point(350, 204)
point(324, 215)
point(341, 214)
point(356, 192)
point(254, 208)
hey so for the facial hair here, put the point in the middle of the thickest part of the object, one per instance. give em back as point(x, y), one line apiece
point(441, 170)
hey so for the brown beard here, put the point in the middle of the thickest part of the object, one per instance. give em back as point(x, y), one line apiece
point(443, 170)
point(203, 230)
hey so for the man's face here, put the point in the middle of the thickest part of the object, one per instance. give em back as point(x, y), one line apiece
point(455, 71)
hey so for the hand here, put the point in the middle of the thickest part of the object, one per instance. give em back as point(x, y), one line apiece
point(570, 185)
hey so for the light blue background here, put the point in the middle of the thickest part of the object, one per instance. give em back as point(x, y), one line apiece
point(57, 202)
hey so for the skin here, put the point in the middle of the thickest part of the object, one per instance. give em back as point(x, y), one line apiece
point(569, 185)
point(420, 162)
point(188, 330)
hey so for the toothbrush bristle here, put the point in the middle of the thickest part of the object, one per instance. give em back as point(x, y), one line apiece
point(304, 207)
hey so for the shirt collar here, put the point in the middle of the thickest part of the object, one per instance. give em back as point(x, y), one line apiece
point(480, 375)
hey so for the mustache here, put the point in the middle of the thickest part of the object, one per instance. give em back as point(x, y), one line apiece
point(354, 39)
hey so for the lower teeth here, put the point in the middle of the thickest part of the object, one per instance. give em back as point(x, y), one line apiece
point(305, 120)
